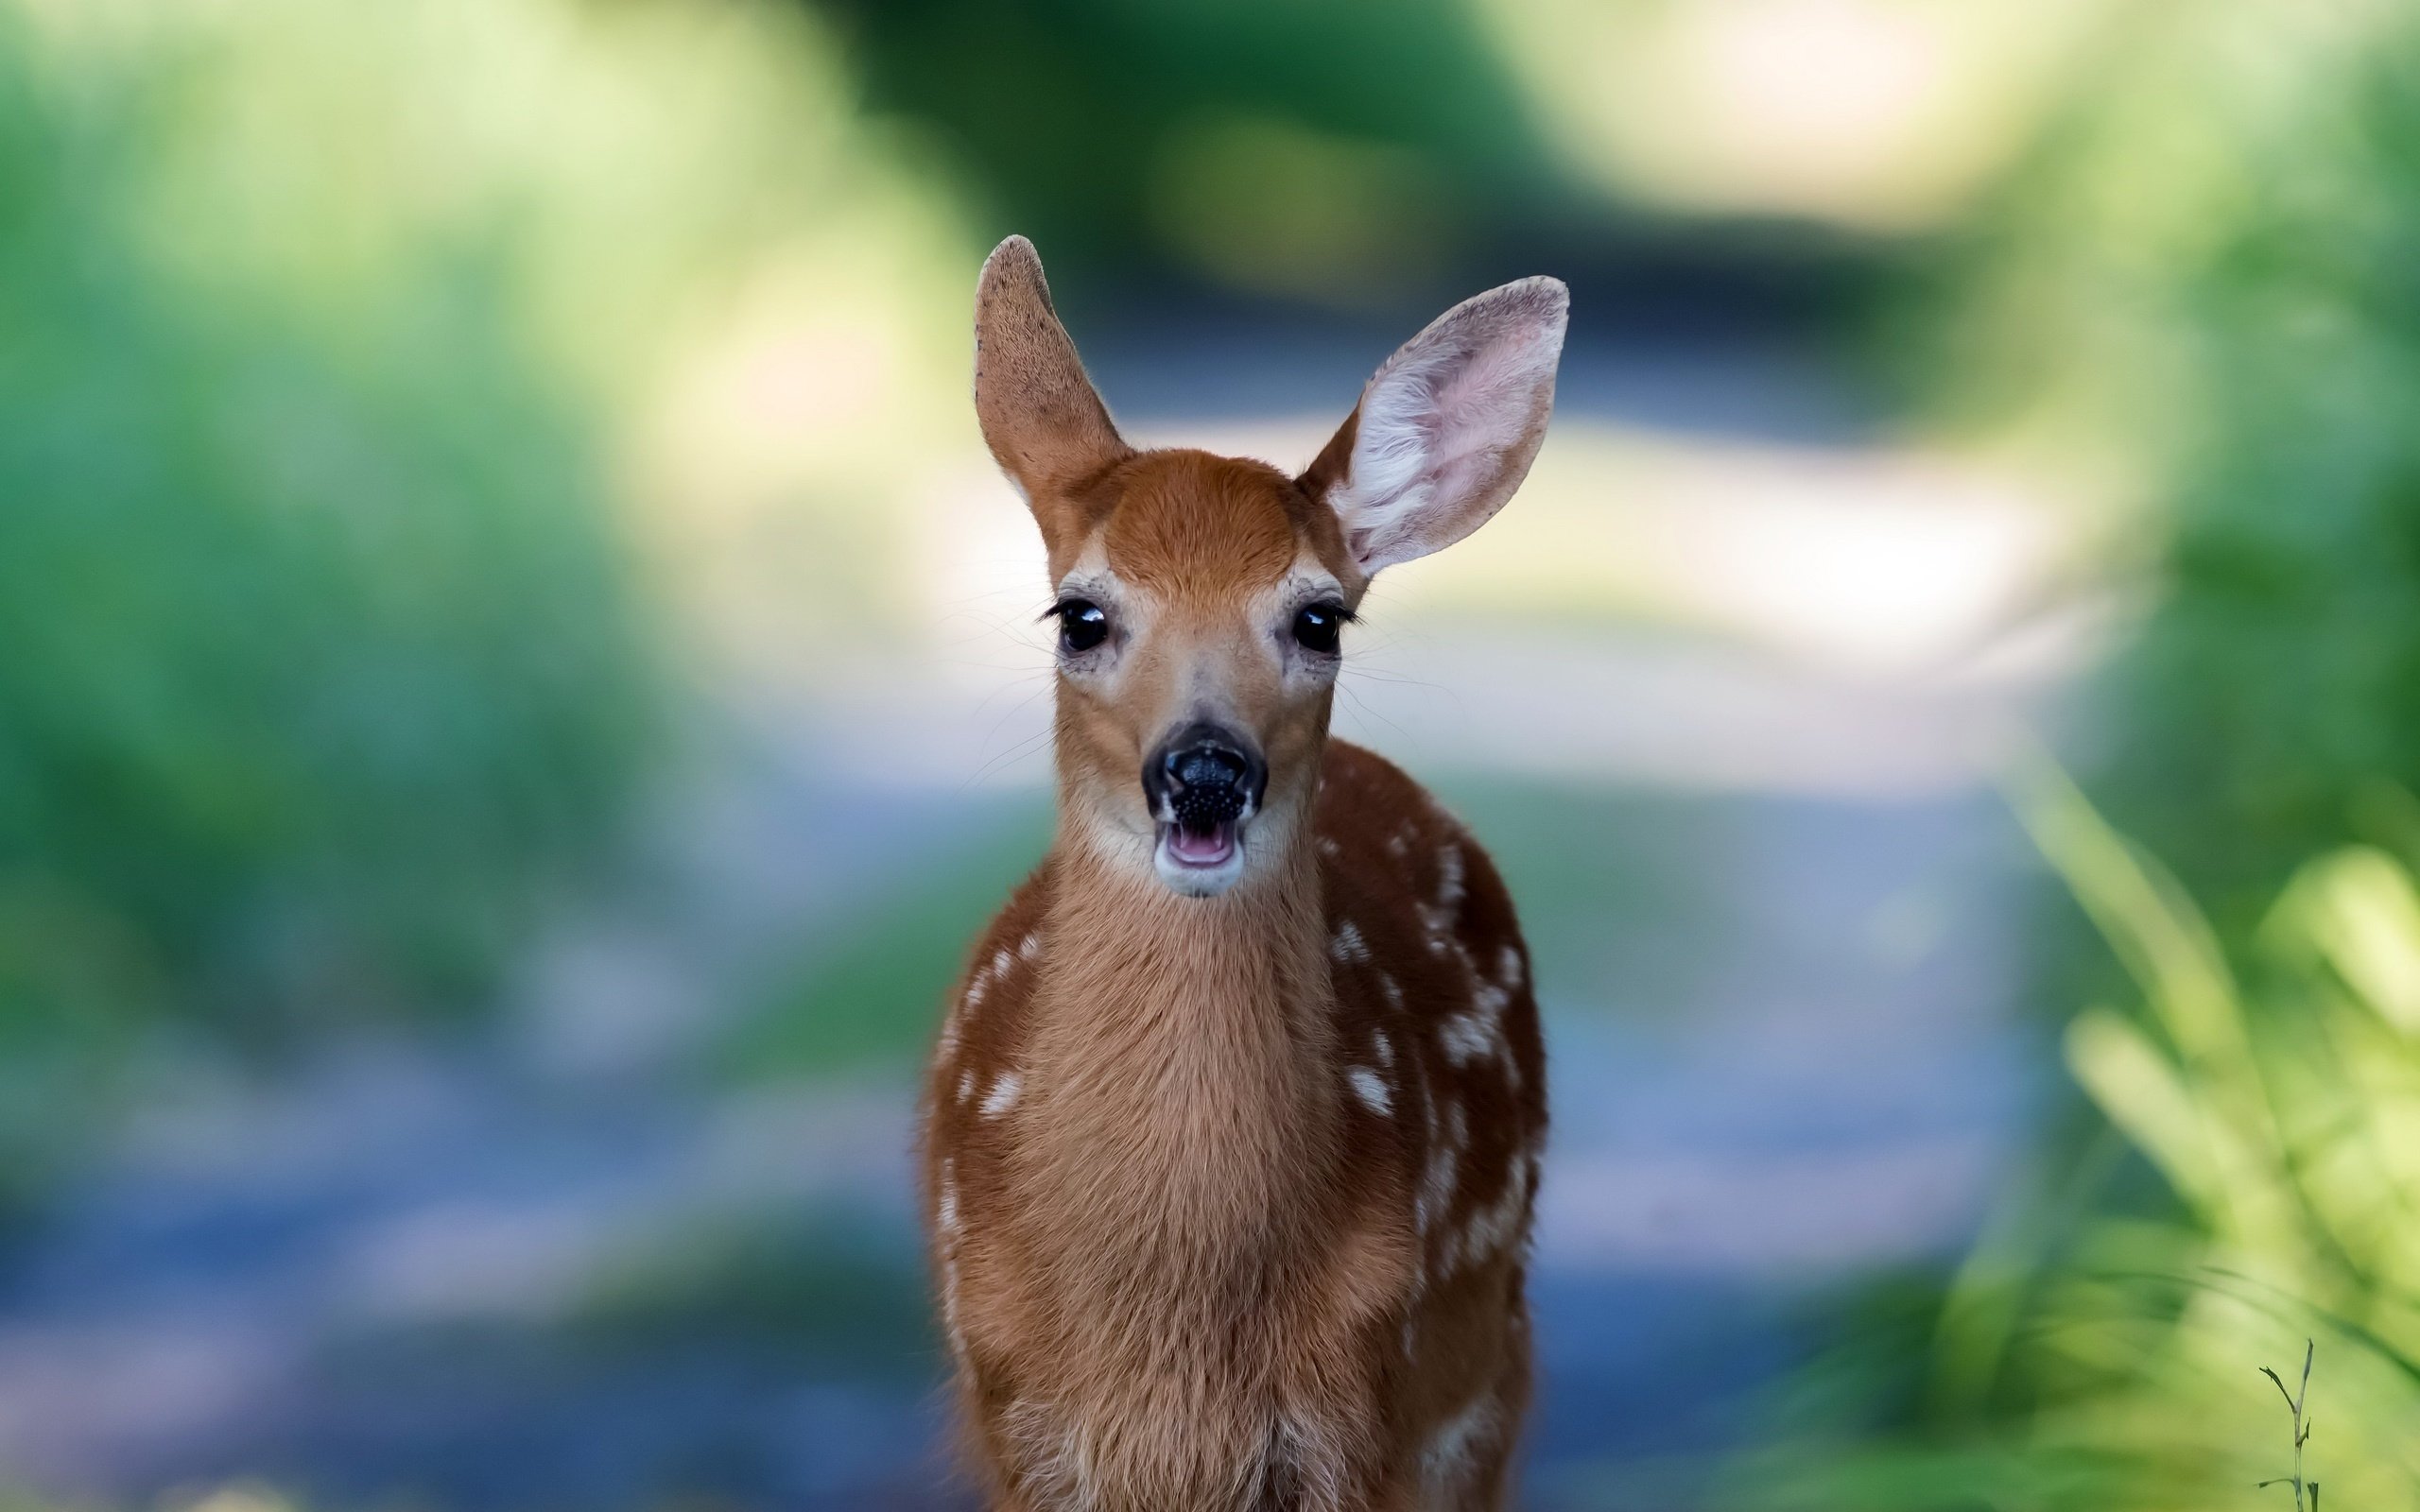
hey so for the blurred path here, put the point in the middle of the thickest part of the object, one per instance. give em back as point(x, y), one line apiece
point(550, 1268)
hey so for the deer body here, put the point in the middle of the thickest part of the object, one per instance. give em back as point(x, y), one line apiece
point(1233, 1128)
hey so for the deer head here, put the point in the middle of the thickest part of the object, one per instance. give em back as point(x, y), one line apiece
point(1201, 599)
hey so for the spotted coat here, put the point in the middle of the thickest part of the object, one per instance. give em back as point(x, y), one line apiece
point(1422, 1049)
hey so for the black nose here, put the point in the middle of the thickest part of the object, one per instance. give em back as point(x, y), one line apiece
point(1204, 775)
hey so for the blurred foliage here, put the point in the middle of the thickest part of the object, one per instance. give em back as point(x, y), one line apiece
point(335, 394)
point(814, 1283)
point(2102, 1352)
point(1619, 890)
point(2201, 287)
point(868, 989)
point(320, 660)
point(1334, 150)
point(2196, 298)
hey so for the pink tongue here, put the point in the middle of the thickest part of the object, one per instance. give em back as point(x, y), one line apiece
point(1201, 847)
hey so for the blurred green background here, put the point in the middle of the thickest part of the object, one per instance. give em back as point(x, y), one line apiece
point(515, 687)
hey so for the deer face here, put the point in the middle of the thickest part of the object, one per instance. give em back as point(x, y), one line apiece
point(1199, 604)
point(1200, 601)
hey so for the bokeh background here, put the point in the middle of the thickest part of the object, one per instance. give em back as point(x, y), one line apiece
point(516, 682)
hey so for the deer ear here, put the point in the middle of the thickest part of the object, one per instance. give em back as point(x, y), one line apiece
point(1045, 423)
point(1446, 429)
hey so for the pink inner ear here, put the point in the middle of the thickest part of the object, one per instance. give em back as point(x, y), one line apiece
point(1446, 427)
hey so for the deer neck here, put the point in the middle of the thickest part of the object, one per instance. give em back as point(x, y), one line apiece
point(1177, 1043)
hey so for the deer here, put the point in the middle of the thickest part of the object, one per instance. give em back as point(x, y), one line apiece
point(1232, 1132)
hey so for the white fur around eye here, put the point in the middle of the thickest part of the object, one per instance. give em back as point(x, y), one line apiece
point(1092, 582)
point(1274, 610)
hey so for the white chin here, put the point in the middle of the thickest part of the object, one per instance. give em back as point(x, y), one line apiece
point(1195, 870)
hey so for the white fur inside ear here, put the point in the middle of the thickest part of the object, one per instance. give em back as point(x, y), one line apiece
point(1447, 428)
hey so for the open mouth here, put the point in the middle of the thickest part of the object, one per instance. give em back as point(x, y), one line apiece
point(1203, 784)
point(1202, 845)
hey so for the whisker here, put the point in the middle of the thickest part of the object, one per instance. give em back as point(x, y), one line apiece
point(1017, 680)
point(1374, 674)
point(1364, 710)
point(1018, 708)
point(1015, 753)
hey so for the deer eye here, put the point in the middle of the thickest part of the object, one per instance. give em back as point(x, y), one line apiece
point(1082, 624)
point(1318, 627)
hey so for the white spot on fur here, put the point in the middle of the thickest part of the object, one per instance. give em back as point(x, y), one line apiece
point(1030, 947)
point(1348, 946)
point(1485, 1035)
point(1330, 849)
point(1444, 1157)
point(975, 991)
point(1372, 1088)
point(1507, 969)
point(965, 1085)
point(1003, 1094)
point(1393, 993)
point(1449, 878)
point(1384, 1047)
point(1493, 1225)
point(1496, 1225)
point(1490, 1001)
point(1438, 919)
point(1001, 963)
point(1464, 1037)
point(1449, 1455)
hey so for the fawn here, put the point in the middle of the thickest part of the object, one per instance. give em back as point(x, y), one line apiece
point(1234, 1126)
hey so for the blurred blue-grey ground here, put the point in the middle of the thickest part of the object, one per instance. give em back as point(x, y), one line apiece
point(517, 681)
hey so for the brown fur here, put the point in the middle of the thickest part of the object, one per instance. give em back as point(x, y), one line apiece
point(1229, 1196)
point(1187, 1233)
